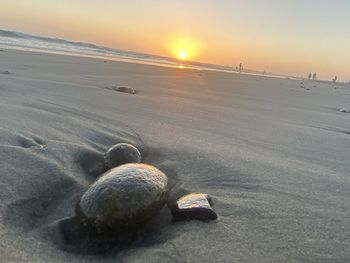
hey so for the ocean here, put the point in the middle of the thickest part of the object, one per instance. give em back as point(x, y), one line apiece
point(29, 42)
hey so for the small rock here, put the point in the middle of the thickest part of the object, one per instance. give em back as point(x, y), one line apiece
point(121, 153)
point(345, 110)
point(193, 206)
point(6, 72)
point(124, 197)
point(125, 90)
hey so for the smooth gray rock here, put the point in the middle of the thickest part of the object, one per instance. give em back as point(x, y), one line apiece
point(125, 89)
point(345, 110)
point(121, 153)
point(193, 206)
point(125, 197)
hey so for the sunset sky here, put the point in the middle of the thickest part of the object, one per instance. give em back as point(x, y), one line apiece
point(291, 36)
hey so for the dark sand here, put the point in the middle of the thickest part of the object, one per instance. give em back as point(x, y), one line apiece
point(274, 157)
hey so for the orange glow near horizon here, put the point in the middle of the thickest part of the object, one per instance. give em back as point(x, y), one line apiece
point(203, 31)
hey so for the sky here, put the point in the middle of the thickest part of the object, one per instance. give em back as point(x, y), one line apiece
point(292, 37)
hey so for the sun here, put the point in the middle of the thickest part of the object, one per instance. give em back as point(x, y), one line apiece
point(183, 55)
point(183, 48)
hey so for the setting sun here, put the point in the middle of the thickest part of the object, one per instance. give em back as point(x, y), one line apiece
point(183, 48)
point(183, 55)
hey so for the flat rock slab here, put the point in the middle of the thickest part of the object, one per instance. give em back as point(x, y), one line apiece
point(193, 206)
point(124, 89)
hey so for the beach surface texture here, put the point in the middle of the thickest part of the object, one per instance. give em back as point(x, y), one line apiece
point(274, 158)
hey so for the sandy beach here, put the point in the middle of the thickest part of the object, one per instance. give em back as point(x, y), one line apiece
point(273, 156)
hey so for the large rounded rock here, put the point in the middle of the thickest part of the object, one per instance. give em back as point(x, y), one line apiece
point(125, 197)
point(121, 153)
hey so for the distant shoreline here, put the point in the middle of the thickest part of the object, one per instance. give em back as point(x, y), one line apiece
point(49, 45)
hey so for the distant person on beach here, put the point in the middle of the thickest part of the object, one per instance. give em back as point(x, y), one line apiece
point(310, 75)
point(240, 67)
point(314, 76)
point(335, 79)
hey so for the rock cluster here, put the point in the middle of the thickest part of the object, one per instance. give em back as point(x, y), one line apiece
point(130, 193)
